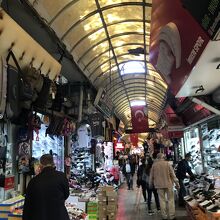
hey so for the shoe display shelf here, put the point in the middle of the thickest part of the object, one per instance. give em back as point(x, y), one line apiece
point(203, 201)
point(211, 143)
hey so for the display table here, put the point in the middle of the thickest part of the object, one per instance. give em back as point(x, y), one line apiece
point(196, 212)
point(75, 200)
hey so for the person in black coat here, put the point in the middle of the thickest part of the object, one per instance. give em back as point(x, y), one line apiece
point(143, 176)
point(128, 170)
point(183, 169)
point(46, 193)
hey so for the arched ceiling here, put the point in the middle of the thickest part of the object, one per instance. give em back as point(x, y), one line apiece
point(103, 36)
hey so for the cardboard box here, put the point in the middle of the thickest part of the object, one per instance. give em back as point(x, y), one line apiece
point(102, 203)
point(112, 208)
point(111, 193)
point(112, 199)
point(102, 193)
point(102, 208)
point(102, 198)
point(111, 216)
point(102, 214)
point(102, 217)
point(108, 188)
point(112, 203)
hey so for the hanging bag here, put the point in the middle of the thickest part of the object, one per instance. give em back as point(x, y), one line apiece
point(13, 107)
point(3, 86)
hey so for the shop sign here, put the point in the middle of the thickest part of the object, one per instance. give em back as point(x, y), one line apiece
point(9, 182)
point(206, 13)
point(119, 146)
point(103, 103)
point(174, 47)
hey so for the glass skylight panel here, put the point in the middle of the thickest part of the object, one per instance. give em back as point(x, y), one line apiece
point(138, 103)
point(132, 67)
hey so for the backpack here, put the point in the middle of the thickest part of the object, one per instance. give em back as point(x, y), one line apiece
point(3, 86)
point(17, 88)
point(43, 95)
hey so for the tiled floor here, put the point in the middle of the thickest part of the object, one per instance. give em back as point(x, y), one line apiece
point(131, 206)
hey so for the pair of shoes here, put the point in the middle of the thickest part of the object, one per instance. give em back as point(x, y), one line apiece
point(150, 212)
point(158, 210)
point(128, 188)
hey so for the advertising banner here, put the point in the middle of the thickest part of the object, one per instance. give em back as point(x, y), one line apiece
point(138, 119)
point(206, 13)
point(177, 42)
point(9, 182)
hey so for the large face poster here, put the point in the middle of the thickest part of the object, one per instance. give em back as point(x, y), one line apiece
point(49, 144)
point(177, 41)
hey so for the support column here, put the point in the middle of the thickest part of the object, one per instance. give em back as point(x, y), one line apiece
point(80, 103)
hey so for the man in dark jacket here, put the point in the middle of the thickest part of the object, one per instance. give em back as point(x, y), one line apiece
point(183, 169)
point(128, 170)
point(46, 193)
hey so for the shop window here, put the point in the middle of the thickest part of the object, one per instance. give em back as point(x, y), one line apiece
point(49, 144)
point(210, 133)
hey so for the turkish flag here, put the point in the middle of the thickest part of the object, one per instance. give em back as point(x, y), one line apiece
point(138, 119)
point(134, 139)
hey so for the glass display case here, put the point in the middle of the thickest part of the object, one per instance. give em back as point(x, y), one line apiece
point(49, 144)
point(192, 145)
point(211, 147)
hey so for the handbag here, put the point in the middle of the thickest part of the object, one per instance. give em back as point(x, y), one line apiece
point(3, 86)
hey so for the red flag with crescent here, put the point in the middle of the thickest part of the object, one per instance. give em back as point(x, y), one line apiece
point(138, 119)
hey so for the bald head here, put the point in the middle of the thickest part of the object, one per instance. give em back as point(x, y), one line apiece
point(160, 156)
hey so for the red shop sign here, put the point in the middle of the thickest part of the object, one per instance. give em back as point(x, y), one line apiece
point(119, 146)
point(9, 182)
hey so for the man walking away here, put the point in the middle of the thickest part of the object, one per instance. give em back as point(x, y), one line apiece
point(46, 193)
point(162, 177)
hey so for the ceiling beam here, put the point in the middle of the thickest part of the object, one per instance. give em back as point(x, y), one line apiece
point(110, 45)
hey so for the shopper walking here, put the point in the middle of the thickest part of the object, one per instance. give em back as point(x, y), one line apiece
point(162, 177)
point(183, 172)
point(128, 171)
point(143, 176)
point(46, 193)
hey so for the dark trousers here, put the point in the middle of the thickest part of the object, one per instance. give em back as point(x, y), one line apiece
point(144, 189)
point(182, 192)
point(149, 197)
point(129, 179)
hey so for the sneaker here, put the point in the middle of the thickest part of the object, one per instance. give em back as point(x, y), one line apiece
point(150, 212)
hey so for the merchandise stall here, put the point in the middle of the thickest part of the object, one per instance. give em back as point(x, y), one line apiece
point(48, 144)
point(7, 178)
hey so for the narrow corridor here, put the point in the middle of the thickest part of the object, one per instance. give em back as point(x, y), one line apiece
point(131, 206)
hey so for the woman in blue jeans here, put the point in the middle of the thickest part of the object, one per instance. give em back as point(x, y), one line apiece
point(143, 175)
